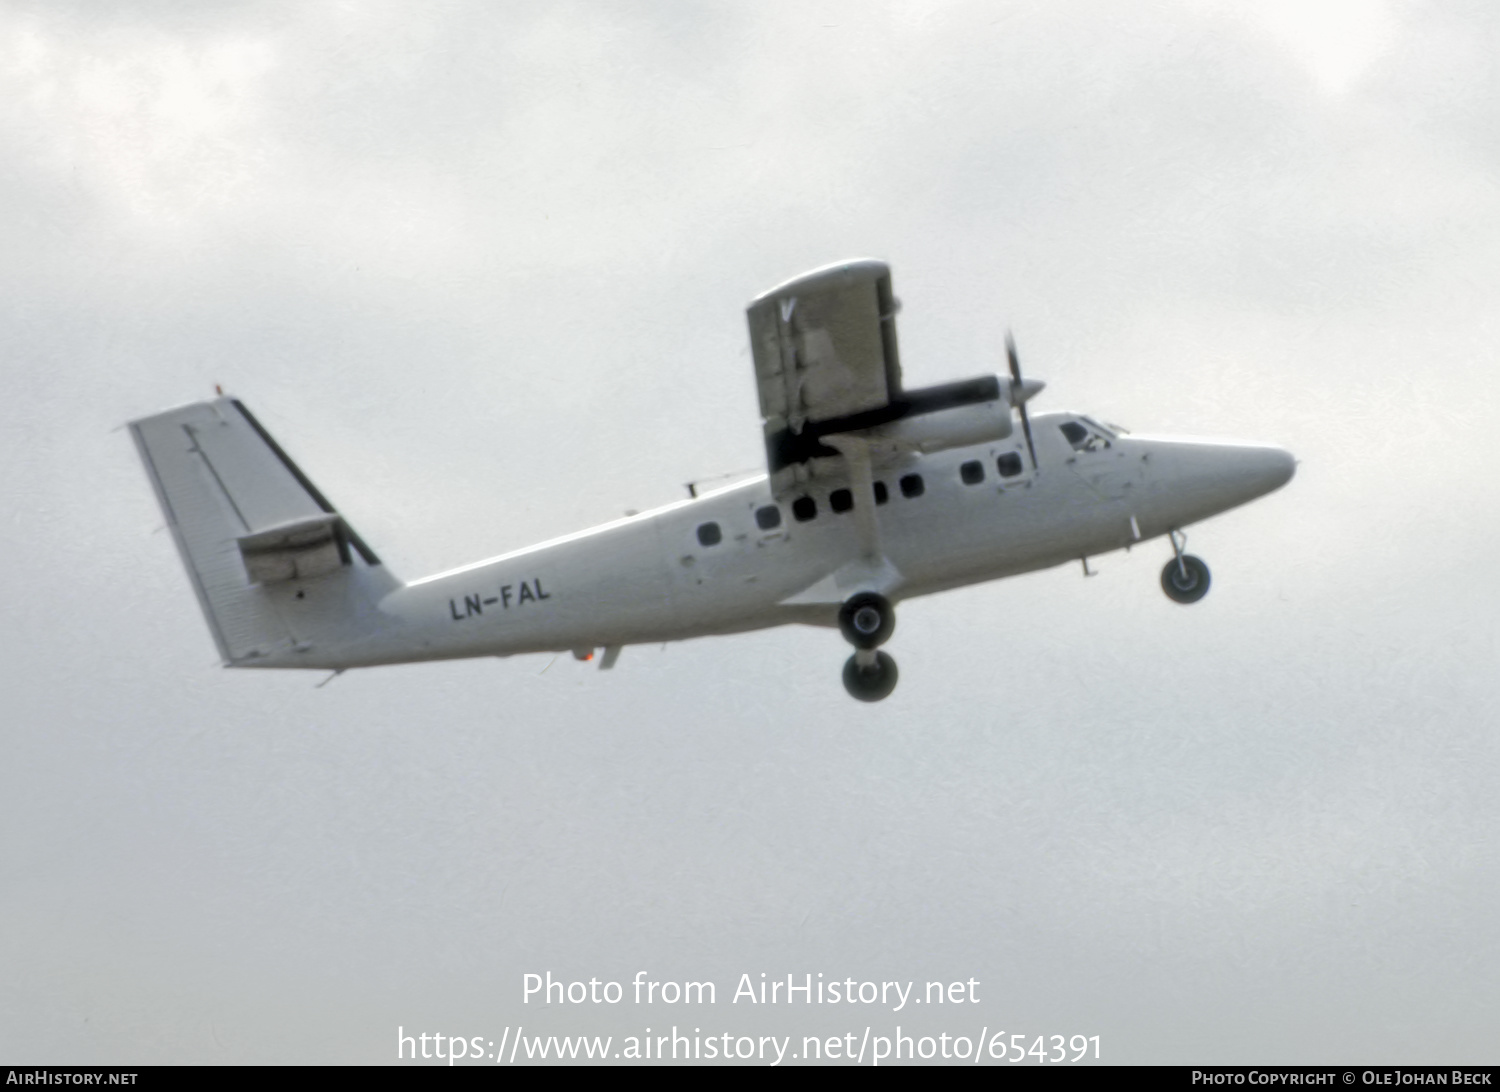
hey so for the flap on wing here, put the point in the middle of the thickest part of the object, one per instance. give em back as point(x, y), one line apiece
point(825, 344)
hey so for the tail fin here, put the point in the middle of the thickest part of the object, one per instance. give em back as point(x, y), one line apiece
point(282, 579)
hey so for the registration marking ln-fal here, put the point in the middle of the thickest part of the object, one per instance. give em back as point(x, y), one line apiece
point(530, 592)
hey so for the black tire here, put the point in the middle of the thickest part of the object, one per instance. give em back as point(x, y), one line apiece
point(871, 683)
point(867, 620)
point(1188, 588)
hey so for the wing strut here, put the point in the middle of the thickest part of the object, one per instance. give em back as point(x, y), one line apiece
point(856, 452)
point(871, 570)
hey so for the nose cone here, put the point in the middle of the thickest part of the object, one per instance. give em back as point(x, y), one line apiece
point(1269, 468)
point(1242, 472)
point(1195, 479)
point(1226, 475)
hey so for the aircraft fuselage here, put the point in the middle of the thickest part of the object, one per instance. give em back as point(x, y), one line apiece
point(718, 564)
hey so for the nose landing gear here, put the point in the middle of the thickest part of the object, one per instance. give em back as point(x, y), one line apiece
point(1185, 579)
point(867, 621)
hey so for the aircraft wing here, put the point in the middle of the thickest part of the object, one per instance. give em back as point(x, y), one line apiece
point(825, 348)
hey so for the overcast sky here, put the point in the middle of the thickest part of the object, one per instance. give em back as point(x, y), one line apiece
point(482, 268)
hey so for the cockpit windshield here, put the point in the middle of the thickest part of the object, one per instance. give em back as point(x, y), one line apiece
point(1085, 434)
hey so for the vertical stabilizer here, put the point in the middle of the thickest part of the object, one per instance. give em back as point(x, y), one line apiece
point(282, 579)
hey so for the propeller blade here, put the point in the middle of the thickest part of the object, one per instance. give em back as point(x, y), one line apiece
point(1016, 389)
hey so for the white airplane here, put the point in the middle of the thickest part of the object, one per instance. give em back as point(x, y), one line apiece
point(874, 494)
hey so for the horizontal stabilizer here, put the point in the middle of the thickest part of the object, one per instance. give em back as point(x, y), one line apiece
point(300, 549)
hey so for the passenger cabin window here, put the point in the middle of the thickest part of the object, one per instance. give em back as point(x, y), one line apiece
point(841, 500)
point(709, 534)
point(804, 509)
point(1008, 464)
point(1083, 438)
point(912, 486)
point(768, 518)
point(972, 472)
point(881, 493)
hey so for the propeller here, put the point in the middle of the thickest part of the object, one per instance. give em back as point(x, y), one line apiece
point(1020, 391)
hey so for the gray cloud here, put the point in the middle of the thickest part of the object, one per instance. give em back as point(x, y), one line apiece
point(483, 271)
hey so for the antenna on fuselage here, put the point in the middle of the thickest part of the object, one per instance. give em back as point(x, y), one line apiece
point(1018, 395)
point(692, 486)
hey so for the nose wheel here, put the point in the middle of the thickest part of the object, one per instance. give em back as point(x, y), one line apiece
point(1185, 579)
point(867, 621)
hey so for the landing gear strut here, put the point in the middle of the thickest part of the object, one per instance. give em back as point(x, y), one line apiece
point(867, 621)
point(1185, 579)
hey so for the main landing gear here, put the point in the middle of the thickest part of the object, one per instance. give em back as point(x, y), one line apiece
point(1185, 579)
point(867, 621)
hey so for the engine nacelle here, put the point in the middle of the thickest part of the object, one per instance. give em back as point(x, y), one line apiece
point(971, 411)
point(939, 430)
